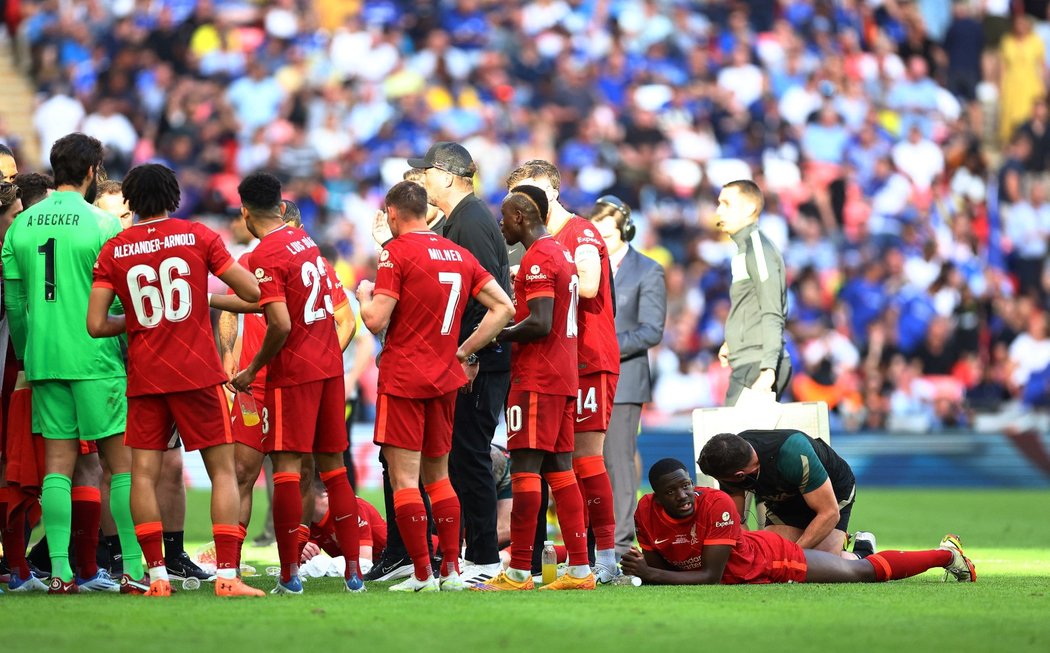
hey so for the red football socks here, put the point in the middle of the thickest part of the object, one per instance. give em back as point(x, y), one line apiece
point(597, 490)
point(342, 504)
point(895, 565)
point(287, 513)
point(14, 534)
point(444, 505)
point(527, 496)
point(411, 517)
point(228, 541)
point(151, 539)
point(242, 533)
point(87, 516)
point(569, 504)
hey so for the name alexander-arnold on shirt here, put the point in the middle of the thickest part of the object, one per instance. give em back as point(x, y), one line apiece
point(154, 245)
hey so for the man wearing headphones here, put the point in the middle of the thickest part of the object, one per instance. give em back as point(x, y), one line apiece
point(641, 306)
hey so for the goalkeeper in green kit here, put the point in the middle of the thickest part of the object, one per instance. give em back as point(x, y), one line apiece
point(78, 382)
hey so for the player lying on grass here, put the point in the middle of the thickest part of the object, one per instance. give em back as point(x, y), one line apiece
point(541, 402)
point(692, 536)
point(324, 538)
point(421, 290)
point(159, 268)
point(807, 488)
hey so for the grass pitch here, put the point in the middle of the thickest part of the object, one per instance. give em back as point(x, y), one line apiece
point(1005, 532)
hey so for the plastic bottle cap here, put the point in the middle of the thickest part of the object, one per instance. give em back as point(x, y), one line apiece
point(548, 542)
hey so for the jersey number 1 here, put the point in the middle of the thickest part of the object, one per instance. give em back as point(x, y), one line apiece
point(48, 250)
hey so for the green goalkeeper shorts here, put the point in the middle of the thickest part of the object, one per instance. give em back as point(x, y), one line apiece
point(90, 409)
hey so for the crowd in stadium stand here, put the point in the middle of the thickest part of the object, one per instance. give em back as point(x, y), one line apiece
point(903, 146)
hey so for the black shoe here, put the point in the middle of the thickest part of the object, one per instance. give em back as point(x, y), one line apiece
point(387, 569)
point(116, 565)
point(864, 544)
point(183, 567)
point(265, 538)
point(39, 573)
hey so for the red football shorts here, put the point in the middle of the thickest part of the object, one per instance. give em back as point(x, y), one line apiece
point(305, 418)
point(202, 417)
point(777, 560)
point(539, 421)
point(24, 453)
point(88, 447)
point(594, 403)
point(251, 436)
point(423, 425)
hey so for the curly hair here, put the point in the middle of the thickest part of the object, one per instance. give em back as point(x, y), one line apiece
point(151, 190)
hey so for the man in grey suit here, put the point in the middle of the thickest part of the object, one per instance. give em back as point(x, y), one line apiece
point(641, 308)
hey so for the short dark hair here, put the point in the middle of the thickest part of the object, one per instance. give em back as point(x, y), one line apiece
point(751, 191)
point(73, 156)
point(530, 199)
point(260, 191)
point(34, 187)
point(533, 169)
point(151, 190)
point(724, 455)
point(663, 467)
point(6, 151)
point(408, 197)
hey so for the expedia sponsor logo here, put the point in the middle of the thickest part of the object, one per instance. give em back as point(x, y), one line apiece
point(261, 275)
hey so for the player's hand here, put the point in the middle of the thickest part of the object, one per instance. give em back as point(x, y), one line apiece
point(364, 290)
point(472, 373)
point(310, 551)
point(723, 354)
point(229, 365)
point(633, 563)
point(765, 380)
point(381, 229)
point(242, 382)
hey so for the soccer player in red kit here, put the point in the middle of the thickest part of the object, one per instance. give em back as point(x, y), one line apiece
point(248, 439)
point(159, 268)
point(693, 536)
point(599, 357)
point(419, 296)
point(303, 408)
point(542, 389)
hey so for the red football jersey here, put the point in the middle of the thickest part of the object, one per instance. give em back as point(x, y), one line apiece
point(714, 521)
point(290, 269)
point(373, 530)
point(598, 346)
point(428, 276)
point(254, 329)
point(159, 270)
point(548, 365)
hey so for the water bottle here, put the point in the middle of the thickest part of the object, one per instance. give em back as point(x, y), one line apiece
point(249, 412)
point(549, 560)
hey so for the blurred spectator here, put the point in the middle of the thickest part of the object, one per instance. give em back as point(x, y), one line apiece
point(1023, 76)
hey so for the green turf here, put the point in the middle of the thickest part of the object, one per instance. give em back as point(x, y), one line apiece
point(1004, 531)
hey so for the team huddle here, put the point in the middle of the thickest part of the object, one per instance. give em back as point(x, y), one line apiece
point(80, 287)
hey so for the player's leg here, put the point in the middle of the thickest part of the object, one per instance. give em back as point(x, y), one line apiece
point(145, 472)
point(115, 565)
point(593, 410)
point(328, 446)
point(438, 415)
point(171, 493)
point(249, 462)
point(409, 512)
point(87, 517)
point(620, 450)
point(309, 498)
point(23, 473)
point(568, 502)
point(825, 567)
point(55, 411)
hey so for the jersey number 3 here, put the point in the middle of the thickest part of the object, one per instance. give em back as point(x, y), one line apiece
point(172, 301)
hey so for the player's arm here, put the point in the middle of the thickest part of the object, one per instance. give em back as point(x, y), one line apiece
point(651, 567)
point(375, 309)
point(652, 314)
point(798, 462)
point(535, 326)
point(17, 318)
point(233, 304)
point(500, 311)
point(589, 270)
point(100, 322)
point(242, 282)
point(823, 502)
point(228, 327)
point(278, 326)
point(738, 497)
point(345, 324)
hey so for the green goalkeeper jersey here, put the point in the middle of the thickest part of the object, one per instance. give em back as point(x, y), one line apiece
point(48, 256)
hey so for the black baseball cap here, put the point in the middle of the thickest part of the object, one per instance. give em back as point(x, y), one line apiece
point(447, 156)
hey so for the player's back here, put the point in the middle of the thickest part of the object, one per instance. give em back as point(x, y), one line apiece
point(547, 365)
point(159, 270)
point(432, 278)
point(599, 349)
point(290, 269)
point(52, 247)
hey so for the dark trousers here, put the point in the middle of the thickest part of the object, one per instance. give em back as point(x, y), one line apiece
point(395, 546)
point(470, 463)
